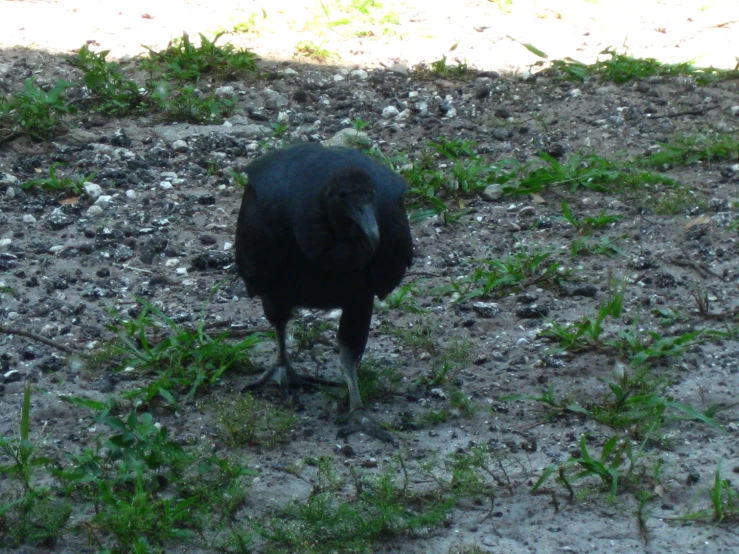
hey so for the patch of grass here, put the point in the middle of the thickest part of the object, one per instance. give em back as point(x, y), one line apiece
point(180, 359)
point(621, 68)
point(691, 149)
point(379, 509)
point(377, 380)
point(442, 68)
point(603, 247)
point(55, 183)
point(29, 514)
point(309, 49)
point(588, 223)
point(147, 489)
point(517, 271)
point(190, 104)
point(403, 298)
point(184, 61)
point(34, 111)
point(580, 171)
point(247, 421)
point(111, 91)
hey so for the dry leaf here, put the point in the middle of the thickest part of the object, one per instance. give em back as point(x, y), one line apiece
point(537, 199)
point(70, 200)
point(698, 221)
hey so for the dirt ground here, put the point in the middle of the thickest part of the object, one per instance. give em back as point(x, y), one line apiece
point(166, 233)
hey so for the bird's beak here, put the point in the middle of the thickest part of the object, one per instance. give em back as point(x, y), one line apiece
point(364, 217)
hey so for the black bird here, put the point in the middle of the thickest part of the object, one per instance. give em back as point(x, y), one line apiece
point(323, 228)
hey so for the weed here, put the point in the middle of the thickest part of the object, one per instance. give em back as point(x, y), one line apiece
point(183, 359)
point(111, 90)
point(34, 516)
point(579, 171)
point(183, 61)
point(311, 50)
point(380, 509)
point(588, 223)
point(34, 111)
point(58, 184)
point(189, 104)
point(377, 380)
point(517, 271)
point(604, 247)
point(621, 68)
point(441, 68)
point(691, 149)
point(250, 421)
point(402, 298)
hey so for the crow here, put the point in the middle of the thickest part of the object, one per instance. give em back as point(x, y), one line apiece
point(323, 228)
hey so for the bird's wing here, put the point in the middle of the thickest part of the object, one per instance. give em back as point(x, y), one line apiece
point(259, 258)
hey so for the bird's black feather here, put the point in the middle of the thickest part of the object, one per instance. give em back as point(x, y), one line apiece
point(323, 228)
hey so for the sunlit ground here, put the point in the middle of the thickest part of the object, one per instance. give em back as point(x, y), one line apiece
point(484, 34)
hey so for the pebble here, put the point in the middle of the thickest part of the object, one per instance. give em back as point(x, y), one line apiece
point(94, 211)
point(225, 92)
point(273, 99)
point(734, 110)
point(486, 310)
point(349, 137)
point(93, 190)
point(28, 218)
point(179, 146)
point(131, 194)
point(165, 185)
point(104, 201)
point(492, 193)
point(10, 192)
point(402, 116)
point(359, 74)
point(390, 112)
point(7, 179)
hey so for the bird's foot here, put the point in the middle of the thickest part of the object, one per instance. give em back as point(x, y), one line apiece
point(359, 420)
point(285, 377)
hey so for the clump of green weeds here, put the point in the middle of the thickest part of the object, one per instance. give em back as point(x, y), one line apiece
point(621, 68)
point(184, 61)
point(309, 49)
point(246, 421)
point(146, 488)
point(34, 111)
point(53, 182)
point(691, 149)
point(379, 509)
point(587, 224)
point(110, 89)
point(517, 271)
point(442, 68)
point(190, 104)
point(180, 359)
point(29, 514)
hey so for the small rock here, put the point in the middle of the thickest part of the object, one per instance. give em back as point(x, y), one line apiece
point(359, 74)
point(179, 146)
point(6, 179)
point(351, 138)
point(402, 116)
point(273, 99)
point(492, 193)
point(165, 185)
point(120, 138)
point(399, 68)
point(486, 309)
point(575, 93)
point(389, 112)
point(94, 211)
point(734, 110)
point(289, 71)
point(532, 311)
point(104, 201)
point(131, 194)
point(225, 92)
point(93, 190)
point(283, 117)
point(10, 193)
point(28, 218)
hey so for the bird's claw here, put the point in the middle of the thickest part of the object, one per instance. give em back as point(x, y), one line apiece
point(359, 420)
point(289, 381)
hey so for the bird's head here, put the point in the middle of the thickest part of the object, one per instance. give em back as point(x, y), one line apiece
point(350, 206)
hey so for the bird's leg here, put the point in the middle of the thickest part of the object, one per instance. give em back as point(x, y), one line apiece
point(283, 374)
point(353, 333)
